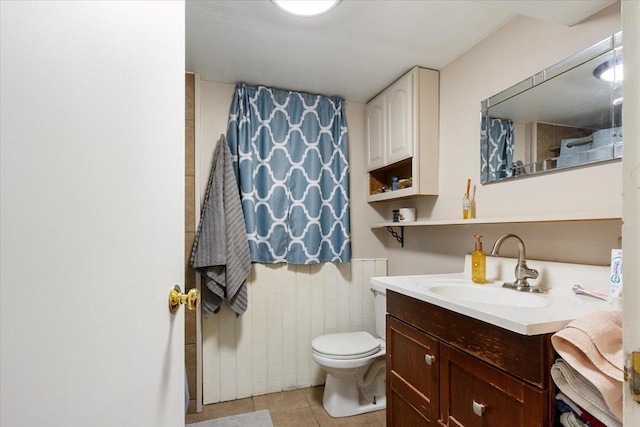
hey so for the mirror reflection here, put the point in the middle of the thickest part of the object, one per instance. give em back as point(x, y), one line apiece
point(566, 116)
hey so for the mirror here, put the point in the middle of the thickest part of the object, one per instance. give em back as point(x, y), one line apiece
point(565, 116)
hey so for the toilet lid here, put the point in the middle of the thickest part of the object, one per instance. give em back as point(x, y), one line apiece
point(350, 345)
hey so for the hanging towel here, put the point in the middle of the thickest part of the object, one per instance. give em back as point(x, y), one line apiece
point(592, 345)
point(582, 392)
point(221, 249)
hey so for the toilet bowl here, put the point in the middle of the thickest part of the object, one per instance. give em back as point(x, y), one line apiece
point(355, 366)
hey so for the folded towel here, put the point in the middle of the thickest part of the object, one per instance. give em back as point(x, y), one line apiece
point(561, 397)
point(592, 345)
point(221, 249)
point(568, 419)
point(564, 404)
point(582, 392)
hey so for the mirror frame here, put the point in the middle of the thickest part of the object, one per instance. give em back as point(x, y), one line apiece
point(610, 44)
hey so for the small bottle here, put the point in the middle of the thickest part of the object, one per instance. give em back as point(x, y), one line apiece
point(472, 209)
point(466, 207)
point(478, 263)
point(395, 183)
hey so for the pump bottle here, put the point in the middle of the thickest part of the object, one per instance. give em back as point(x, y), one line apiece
point(478, 263)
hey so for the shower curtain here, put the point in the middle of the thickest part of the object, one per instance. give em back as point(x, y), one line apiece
point(497, 150)
point(291, 161)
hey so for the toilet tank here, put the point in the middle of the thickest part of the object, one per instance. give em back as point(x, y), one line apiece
point(380, 309)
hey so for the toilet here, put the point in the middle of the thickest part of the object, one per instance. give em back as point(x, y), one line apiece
point(355, 365)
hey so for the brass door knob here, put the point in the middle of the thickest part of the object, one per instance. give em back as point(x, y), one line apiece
point(176, 297)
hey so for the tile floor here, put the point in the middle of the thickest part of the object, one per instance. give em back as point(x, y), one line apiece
point(296, 408)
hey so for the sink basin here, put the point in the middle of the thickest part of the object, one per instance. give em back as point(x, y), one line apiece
point(485, 295)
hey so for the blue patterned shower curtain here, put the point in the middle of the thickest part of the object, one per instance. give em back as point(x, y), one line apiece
point(291, 160)
point(497, 149)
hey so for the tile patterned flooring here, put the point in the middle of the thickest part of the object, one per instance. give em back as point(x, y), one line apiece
point(296, 408)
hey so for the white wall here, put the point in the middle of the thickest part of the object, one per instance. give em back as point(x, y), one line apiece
point(484, 70)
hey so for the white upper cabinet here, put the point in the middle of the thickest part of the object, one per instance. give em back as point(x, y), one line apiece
point(375, 133)
point(402, 127)
point(399, 105)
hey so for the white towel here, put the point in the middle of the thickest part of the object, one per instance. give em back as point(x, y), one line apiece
point(582, 392)
point(221, 250)
point(568, 419)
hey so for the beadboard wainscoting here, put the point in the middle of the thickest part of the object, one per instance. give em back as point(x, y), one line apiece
point(268, 349)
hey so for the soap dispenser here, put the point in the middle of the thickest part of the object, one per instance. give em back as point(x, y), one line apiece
point(478, 262)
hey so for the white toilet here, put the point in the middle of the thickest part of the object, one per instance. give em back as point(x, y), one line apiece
point(355, 365)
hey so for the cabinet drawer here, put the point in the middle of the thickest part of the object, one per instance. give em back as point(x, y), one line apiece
point(527, 357)
point(412, 370)
point(475, 394)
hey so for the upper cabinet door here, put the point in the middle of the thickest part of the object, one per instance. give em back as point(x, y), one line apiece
point(399, 105)
point(375, 133)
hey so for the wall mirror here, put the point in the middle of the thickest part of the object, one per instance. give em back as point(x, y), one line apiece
point(565, 116)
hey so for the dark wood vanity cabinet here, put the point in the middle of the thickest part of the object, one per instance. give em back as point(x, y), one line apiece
point(412, 375)
point(447, 369)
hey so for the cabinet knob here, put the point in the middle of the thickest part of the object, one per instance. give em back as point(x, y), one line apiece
point(429, 359)
point(478, 408)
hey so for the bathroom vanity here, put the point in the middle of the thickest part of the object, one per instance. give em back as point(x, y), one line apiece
point(467, 355)
point(447, 369)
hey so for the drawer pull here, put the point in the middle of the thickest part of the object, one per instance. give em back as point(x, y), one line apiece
point(429, 359)
point(478, 408)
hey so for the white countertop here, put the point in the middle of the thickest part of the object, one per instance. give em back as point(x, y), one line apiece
point(561, 306)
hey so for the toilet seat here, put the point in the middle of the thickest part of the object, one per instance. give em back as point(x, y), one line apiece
point(346, 346)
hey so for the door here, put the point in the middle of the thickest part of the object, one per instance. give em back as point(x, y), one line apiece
point(374, 112)
point(475, 394)
point(399, 111)
point(631, 198)
point(92, 213)
point(412, 375)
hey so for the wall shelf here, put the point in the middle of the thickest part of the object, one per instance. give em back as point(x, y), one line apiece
point(586, 216)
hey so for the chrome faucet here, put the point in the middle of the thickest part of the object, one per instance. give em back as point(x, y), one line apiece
point(523, 272)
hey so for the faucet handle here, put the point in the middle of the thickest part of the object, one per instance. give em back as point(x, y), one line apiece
point(530, 273)
point(524, 272)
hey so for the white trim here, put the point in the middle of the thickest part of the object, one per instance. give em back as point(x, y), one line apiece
point(631, 196)
point(198, 207)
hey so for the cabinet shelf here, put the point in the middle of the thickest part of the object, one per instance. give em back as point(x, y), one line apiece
point(586, 216)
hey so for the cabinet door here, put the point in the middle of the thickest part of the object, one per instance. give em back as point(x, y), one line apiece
point(375, 133)
point(475, 394)
point(412, 376)
point(399, 111)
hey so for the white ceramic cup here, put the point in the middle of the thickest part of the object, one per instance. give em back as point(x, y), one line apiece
point(407, 214)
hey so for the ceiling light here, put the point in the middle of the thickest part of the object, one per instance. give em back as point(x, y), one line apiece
point(607, 72)
point(306, 7)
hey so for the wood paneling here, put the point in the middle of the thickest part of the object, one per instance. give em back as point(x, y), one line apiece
point(268, 349)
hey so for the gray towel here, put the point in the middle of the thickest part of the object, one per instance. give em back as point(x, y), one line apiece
point(221, 249)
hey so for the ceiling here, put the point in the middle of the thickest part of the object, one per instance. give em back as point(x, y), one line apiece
point(356, 50)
